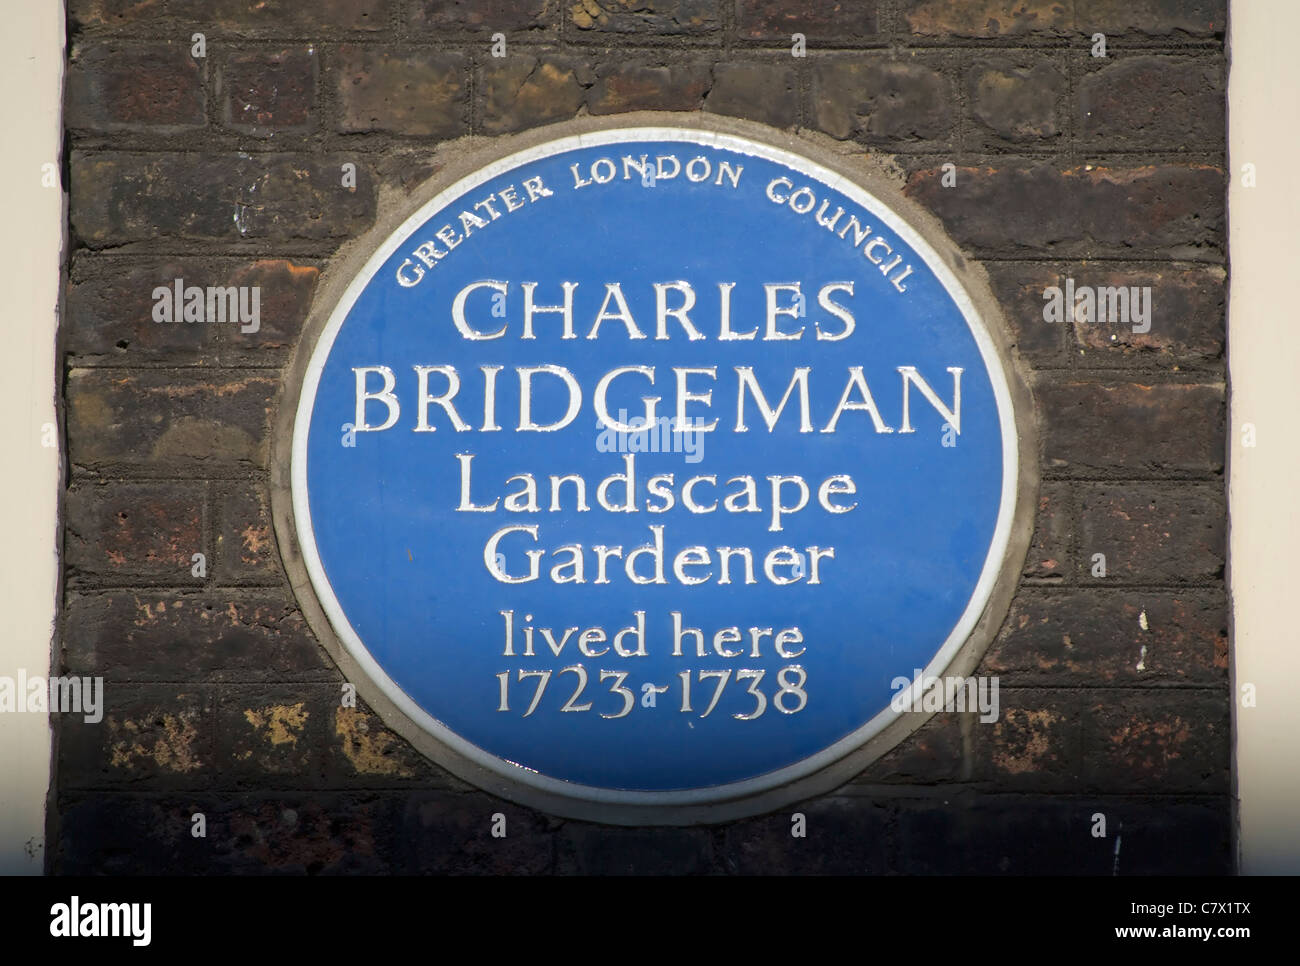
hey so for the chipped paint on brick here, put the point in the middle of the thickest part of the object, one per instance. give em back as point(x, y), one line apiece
point(368, 745)
point(280, 724)
point(168, 741)
point(1024, 740)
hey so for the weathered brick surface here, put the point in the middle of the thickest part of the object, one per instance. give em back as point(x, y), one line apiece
point(1086, 210)
point(1158, 741)
point(1017, 99)
point(124, 532)
point(1152, 534)
point(663, 17)
point(156, 87)
point(1036, 743)
point(987, 18)
point(1153, 18)
point(156, 736)
point(362, 751)
point(1049, 550)
point(272, 91)
point(159, 421)
point(417, 93)
point(245, 542)
point(1151, 102)
point(767, 92)
point(835, 21)
point(1019, 287)
point(1131, 638)
point(438, 16)
point(1131, 428)
point(228, 171)
point(647, 86)
point(1041, 836)
point(843, 835)
point(238, 16)
point(140, 636)
point(882, 100)
point(266, 733)
point(524, 91)
point(935, 753)
point(111, 302)
point(1188, 313)
point(992, 836)
point(452, 834)
point(599, 850)
point(210, 197)
point(1056, 19)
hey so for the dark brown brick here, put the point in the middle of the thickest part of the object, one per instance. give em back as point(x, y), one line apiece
point(1048, 555)
point(834, 20)
point(237, 15)
point(643, 16)
point(1154, 103)
point(1085, 637)
point(419, 93)
point(265, 92)
point(120, 197)
point(318, 834)
point(122, 834)
point(638, 86)
point(1006, 835)
point(757, 91)
point(483, 16)
point(987, 18)
point(1170, 838)
point(844, 835)
point(1019, 287)
point(881, 100)
point(1165, 741)
point(522, 91)
point(1159, 18)
point(173, 420)
point(286, 288)
point(1188, 317)
point(155, 736)
point(148, 636)
point(1151, 534)
point(153, 87)
point(1168, 209)
point(1035, 742)
point(135, 531)
point(110, 306)
point(246, 547)
point(113, 13)
point(449, 833)
point(1016, 99)
point(933, 753)
point(600, 850)
point(1130, 428)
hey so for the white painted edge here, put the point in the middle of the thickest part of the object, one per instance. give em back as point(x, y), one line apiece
point(31, 251)
point(1263, 346)
point(518, 773)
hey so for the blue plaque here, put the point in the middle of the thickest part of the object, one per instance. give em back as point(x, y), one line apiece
point(635, 468)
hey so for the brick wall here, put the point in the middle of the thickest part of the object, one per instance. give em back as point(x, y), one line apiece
point(224, 170)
